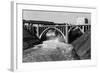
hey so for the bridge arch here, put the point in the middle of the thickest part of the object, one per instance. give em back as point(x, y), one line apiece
point(74, 33)
point(76, 28)
point(54, 29)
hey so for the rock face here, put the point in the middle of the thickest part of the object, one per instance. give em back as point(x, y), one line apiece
point(29, 40)
point(82, 46)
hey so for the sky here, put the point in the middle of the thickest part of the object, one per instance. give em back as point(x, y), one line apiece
point(57, 17)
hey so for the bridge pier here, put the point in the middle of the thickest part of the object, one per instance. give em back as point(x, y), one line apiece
point(66, 35)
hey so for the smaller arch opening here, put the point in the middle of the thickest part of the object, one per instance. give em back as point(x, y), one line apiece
point(74, 33)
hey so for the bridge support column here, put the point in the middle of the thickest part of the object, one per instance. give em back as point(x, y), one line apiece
point(38, 30)
point(66, 36)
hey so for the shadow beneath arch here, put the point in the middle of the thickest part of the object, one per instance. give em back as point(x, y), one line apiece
point(74, 33)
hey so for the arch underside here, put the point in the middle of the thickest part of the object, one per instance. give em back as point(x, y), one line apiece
point(55, 28)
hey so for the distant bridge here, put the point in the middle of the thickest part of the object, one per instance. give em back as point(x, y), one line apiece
point(43, 26)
